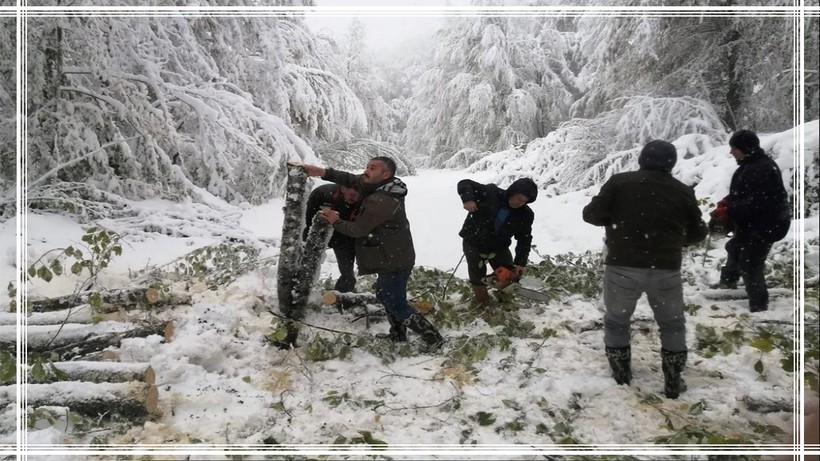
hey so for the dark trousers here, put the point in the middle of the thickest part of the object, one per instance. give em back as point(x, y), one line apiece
point(746, 257)
point(477, 261)
point(391, 291)
point(345, 258)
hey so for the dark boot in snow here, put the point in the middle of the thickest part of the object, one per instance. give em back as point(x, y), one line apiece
point(481, 296)
point(672, 364)
point(397, 333)
point(620, 361)
point(425, 329)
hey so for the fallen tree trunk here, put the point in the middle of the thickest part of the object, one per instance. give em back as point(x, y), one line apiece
point(111, 301)
point(312, 256)
point(345, 301)
point(76, 340)
point(131, 399)
point(101, 372)
point(82, 313)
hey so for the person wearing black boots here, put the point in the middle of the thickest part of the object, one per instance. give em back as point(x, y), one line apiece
point(495, 216)
point(757, 209)
point(384, 244)
point(649, 217)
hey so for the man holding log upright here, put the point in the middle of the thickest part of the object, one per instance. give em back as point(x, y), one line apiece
point(384, 244)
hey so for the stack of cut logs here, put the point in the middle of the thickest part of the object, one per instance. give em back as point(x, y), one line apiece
point(92, 380)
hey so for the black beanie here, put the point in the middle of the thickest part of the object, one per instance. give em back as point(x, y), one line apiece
point(746, 141)
point(658, 155)
point(524, 186)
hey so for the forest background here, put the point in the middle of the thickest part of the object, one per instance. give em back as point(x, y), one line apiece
point(205, 109)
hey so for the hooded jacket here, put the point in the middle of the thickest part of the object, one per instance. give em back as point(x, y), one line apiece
point(758, 201)
point(649, 216)
point(330, 195)
point(479, 226)
point(381, 229)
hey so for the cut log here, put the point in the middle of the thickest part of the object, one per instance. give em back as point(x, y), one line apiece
point(312, 256)
point(350, 301)
point(131, 399)
point(101, 372)
point(345, 301)
point(75, 340)
point(290, 250)
point(768, 405)
point(112, 301)
point(82, 313)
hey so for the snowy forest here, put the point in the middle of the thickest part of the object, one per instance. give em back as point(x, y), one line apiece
point(132, 107)
point(164, 141)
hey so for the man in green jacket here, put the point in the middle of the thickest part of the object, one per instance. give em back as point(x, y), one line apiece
point(649, 217)
point(384, 244)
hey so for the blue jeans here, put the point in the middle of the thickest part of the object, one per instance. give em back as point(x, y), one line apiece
point(391, 291)
point(623, 286)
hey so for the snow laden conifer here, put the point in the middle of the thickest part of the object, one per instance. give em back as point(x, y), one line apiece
point(495, 82)
point(176, 108)
point(585, 152)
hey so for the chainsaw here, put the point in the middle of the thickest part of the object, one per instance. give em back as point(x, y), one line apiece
point(506, 280)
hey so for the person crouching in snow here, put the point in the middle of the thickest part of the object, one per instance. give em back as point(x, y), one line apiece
point(649, 216)
point(495, 217)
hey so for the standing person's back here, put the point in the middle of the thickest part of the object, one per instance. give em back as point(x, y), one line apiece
point(649, 216)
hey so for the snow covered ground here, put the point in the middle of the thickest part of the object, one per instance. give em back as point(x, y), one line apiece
point(222, 384)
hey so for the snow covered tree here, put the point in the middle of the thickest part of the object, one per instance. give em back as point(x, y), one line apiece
point(495, 82)
point(8, 128)
point(176, 107)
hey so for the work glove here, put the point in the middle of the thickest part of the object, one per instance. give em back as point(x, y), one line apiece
point(720, 213)
point(720, 224)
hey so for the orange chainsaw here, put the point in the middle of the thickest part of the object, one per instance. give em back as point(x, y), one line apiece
point(505, 280)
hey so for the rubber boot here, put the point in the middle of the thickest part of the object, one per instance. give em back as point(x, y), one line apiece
point(397, 332)
point(425, 329)
point(620, 361)
point(481, 296)
point(673, 364)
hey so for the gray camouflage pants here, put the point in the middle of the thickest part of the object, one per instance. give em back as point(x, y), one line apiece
point(623, 286)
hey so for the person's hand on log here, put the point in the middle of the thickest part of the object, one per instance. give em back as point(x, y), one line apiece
point(331, 216)
point(313, 170)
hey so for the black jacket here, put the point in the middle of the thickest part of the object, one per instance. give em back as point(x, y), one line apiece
point(649, 217)
point(758, 201)
point(479, 227)
point(330, 195)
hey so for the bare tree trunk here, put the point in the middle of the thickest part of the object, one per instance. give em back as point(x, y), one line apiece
point(111, 301)
point(100, 372)
point(77, 340)
point(131, 399)
point(312, 257)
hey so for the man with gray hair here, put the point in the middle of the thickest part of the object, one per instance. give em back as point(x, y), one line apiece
point(649, 217)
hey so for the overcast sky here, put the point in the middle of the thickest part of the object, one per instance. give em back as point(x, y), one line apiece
point(387, 24)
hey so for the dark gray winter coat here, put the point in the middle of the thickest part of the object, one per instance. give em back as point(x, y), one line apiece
point(649, 217)
point(381, 229)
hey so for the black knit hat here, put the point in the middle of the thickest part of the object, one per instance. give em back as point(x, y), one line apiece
point(524, 186)
point(658, 155)
point(746, 141)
